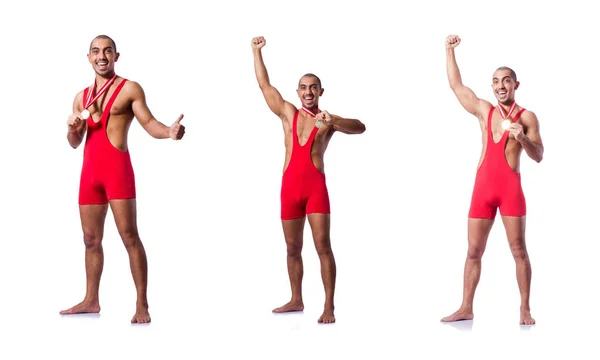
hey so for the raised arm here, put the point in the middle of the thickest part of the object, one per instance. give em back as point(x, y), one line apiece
point(529, 136)
point(76, 125)
point(465, 95)
point(142, 113)
point(347, 126)
point(271, 94)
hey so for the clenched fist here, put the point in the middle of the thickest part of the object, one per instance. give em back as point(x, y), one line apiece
point(74, 122)
point(452, 41)
point(516, 130)
point(258, 42)
point(324, 118)
point(177, 130)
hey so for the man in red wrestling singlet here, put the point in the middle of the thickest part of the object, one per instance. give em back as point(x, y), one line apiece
point(105, 111)
point(507, 129)
point(303, 189)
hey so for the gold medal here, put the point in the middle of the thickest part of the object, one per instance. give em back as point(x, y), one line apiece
point(319, 124)
point(506, 123)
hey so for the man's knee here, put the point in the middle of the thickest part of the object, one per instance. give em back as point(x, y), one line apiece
point(92, 238)
point(130, 237)
point(519, 251)
point(475, 252)
point(294, 249)
point(322, 244)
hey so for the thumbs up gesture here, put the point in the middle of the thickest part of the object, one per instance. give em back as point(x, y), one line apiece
point(177, 130)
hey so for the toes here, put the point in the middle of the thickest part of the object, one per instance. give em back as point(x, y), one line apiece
point(140, 320)
point(527, 322)
point(326, 320)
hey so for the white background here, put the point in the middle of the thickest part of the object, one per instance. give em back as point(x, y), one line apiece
point(208, 206)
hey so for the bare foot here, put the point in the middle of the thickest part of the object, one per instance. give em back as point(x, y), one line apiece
point(327, 317)
point(290, 307)
point(459, 315)
point(83, 308)
point(526, 318)
point(141, 316)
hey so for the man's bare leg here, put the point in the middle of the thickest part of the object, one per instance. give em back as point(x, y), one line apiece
point(320, 225)
point(479, 230)
point(293, 232)
point(92, 223)
point(515, 232)
point(125, 215)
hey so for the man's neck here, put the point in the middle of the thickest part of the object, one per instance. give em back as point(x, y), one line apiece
point(506, 105)
point(102, 79)
point(314, 109)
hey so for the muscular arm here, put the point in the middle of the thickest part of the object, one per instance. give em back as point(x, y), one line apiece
point(531, 139)
point(155, 128)
point(272, 96)
point(348, 126)
point(465, 95)
point(75, 133)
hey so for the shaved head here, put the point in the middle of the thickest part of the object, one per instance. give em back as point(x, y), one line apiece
point(313, 76)
point(106, 37)
point(513, 74)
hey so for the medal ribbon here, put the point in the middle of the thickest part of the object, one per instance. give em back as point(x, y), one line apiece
point(309, 112)
point(89, 101)
point(503, 112)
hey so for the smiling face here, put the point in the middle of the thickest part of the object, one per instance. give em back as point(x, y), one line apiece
point(103, 55)
point(309, 91)
point(504, 84)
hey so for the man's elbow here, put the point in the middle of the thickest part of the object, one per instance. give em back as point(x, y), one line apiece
point(264, 86)
point(458, 89)
point(361, 128)
point(540, 154)
point(540, 158)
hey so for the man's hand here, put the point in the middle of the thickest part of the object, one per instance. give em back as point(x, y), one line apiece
point(452, 41)
point(324, 118)
point(258, 42)
point(74, 122)
point(516, 130)
point(177, 130)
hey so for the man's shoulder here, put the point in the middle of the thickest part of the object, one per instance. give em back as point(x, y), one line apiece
point(289, 110)
point(131, 84)
point(528, 114)
point(80, 92)
point(486, 106)
point(131, 88)
point(289, 106)
point(79, 95)
point(484, 109)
